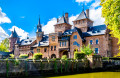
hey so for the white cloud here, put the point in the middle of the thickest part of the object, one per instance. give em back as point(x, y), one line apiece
point(23, 34)
point(82, 1)
point(49, 27)
point(22, 17)
point(3, 34)
point(96, 4)
point(3, 17)
point(95, 15)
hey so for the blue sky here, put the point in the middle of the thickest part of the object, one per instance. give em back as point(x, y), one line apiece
point(24, 14)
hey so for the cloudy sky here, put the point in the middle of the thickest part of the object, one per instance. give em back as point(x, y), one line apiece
point(23, 15)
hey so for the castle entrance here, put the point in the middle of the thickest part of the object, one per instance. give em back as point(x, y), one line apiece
point(63, 52)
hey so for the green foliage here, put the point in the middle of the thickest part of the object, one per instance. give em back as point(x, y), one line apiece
point(111, 13)
point(79, 55)
point(64, 57)
point(86, 49)
point(4, 45)
point(12, 56)
point(37, 56)
point(23, 56)
point(105, 58)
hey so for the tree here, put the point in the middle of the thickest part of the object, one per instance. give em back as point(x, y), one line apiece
point(111, 13)
point(4, 45)
point(86, 49)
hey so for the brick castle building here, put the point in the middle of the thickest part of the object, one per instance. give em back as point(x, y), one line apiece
point(65, 40)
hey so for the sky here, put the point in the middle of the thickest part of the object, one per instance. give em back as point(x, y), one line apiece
point(23, 15)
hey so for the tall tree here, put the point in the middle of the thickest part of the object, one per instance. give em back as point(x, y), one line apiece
point(4, 45)
point(111, 13)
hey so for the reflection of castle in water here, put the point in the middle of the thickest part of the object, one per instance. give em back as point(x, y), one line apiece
point(65, 40)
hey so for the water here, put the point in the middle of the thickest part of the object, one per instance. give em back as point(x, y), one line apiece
point(90, 75)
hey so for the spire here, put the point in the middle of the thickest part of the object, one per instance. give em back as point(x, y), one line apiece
point(14, 34)
point(63, 13)
point(39, 20)
point(83, 7)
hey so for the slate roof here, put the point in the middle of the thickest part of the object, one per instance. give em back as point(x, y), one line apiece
point(27, 41)
point(81, 16)
point(95, 30)
point(5, 53)
point(62, 20)
point(14, 34)
point(92, 31)
point(43, 42)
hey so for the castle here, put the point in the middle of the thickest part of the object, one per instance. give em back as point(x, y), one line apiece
point(65, 40)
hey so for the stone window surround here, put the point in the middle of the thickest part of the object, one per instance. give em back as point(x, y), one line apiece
point(98, 50)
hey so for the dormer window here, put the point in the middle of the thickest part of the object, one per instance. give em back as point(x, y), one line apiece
point(75, 37)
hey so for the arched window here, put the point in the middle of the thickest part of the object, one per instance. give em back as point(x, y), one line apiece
point(75, 43)
point(75, 37)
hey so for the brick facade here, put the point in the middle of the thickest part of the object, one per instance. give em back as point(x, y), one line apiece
point(60, 44)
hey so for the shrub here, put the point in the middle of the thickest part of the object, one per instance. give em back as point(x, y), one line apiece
point(37, 56)
point(12, 56)
point(23, 56)
point(78, 55)
point(105, 58)
point(64, 57)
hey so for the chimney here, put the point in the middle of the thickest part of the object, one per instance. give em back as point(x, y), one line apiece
point(57, 20)
point(66, 17)
point(87, 13)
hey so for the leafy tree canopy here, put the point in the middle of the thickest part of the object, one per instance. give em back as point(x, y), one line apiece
point(4, 45)
point(111, 13)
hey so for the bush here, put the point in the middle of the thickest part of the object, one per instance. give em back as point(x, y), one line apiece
point(64, 57)
point(37, 56)
point(105, 58)
point(78, 55)
point(12, 56)
point(23, 56)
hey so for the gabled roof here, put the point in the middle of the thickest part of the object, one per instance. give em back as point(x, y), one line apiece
point(81, 16)
point(14, 34)
point(27, 41)
point(62, 20)
point(95, 30)
point(43, 42)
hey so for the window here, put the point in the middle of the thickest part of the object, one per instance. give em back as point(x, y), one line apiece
point(83, 21)
point(96, 50)
point(65, 43)
point(79, 22)
point(54, 48)
point(97, 41)
point(51, 48)
point(45, 49)
point(53, 38)
point(75, 43)
point(62, 43)
point(75, 37)
point(91, 42)
point(76, 22)
point(38, 50)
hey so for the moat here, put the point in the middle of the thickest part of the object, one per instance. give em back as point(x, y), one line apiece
point(88, 75)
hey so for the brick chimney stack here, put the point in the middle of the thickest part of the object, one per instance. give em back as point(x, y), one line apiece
point(87, 13)
point(66, 17)
point(57, 20)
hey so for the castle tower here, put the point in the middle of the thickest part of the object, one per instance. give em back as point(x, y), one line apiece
point(12, 40)
point(62, 24)
point(39, 33)
point(83, 21)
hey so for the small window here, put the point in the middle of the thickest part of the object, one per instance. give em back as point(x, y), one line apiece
point(83, 21)
point(54, 48)
point(76, 22)
point(65, 43)
point(75, 37)
point(45, 49)
point(91, 41)
point(51, 48)
point(62, 43)
point(96, 51)
point(79, 22)
point(38, 50)
point(97, 41)
point(53, 38)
